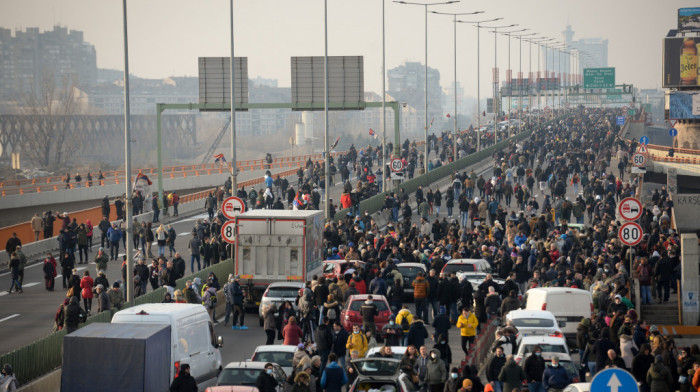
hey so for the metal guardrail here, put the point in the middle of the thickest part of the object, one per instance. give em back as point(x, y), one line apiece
point(43, 356)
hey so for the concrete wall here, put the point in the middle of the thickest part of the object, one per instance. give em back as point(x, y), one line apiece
point(690, 278)
point(37, 250)
point(98, 192)
point(687, 212)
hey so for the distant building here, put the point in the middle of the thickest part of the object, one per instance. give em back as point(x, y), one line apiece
point(27, 55)
point(597, 48)
point(407, 84)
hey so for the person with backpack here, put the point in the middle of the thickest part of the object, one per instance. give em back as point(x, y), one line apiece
point(210, 301)
point(404, 318)
point(238, 310)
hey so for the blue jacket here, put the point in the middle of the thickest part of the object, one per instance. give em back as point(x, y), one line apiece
point(333, 378)
point(269, 182)
point(555, 377)
point(519, 240)
point(114, 235)
point(377, 286)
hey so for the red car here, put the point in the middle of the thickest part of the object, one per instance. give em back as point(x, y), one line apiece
point(338, 268)
point(350, 315)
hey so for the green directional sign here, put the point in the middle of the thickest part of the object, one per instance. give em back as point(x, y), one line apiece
point(599, 77)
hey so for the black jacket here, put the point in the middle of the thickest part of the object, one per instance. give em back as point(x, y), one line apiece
point(74, 315)
point(265, 382)
point(184, 383)
point(324, 338)
point(534, 367)
point(494, 367)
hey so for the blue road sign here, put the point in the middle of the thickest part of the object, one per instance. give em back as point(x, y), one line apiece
point(644, 140)
point(620, 120)
point(673, 132)
point(614, 380)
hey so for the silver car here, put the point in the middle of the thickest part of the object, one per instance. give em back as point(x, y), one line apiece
point(277, 293)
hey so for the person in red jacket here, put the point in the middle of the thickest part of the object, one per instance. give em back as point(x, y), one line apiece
point(359, 283)
point(291, 333)
point(86, 284)
point(345, 200)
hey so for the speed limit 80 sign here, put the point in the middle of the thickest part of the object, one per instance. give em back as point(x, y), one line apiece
point(630, 233)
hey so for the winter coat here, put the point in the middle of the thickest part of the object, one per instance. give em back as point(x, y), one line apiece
point(493, 370)
point(292, 335)
point(468, 325)
point(492, 303)
point(641, 365)
point(404, 314)
point(268, 316)
point(417, 333)
point(435, 372)
point(86, 284)
point(628, 349)
point(555, 377)
point(659, 378)
point(357, 342)
point(324, 337)
point(534, 368)
point(511, 375)
point(420, 288)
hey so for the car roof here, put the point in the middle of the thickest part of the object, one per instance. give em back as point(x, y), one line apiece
point(343, 261)
point(298, 285)
point(246, 365)
point(421, 265)
point(542, 339)
point(363, 297)
point(276, 347)
point(547, 356)
point(567, 290)
point(395, 349)
point(524, 313)
point(466, 261)
point(232, 388)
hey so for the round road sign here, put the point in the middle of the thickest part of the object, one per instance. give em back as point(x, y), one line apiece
point(396, 165)
point(547, 109)
point(638, 160)
point(630, 209)
point(673, 132)
point(228, 232)
point(630, 233)
point(232, 206)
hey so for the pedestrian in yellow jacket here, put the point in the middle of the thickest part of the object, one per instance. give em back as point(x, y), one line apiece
point(467, 324)
point(357, 341)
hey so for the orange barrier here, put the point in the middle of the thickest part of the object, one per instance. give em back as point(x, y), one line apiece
point(694, 161)
point(26, 235)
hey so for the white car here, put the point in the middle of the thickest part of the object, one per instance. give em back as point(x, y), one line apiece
point(477, 278)
point(465, 265)
point(277, 293)
point(276, 353)
point(548, 344)
point(396, 351)
point(534, 323)
point(578, 387)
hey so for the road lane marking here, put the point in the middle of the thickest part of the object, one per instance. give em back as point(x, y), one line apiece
point(30, 284)
point(9, 317)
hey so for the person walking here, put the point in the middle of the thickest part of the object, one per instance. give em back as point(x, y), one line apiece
point(50, 273)
point(467, 324)
point(334, 377)
point(511, 375)
point(555, 376)
point(435, 372)
point(194, 246)
point(184, 382)
point(37, 226)
point(238, 311)
point(14, 270)
point(534, 368)
point(74, 315)
point(659, 378)
point(86, 284)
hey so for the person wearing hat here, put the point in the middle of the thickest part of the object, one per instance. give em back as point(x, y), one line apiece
point(116, 296)
point(103, 303)
point(467, 385)
point(9, 381)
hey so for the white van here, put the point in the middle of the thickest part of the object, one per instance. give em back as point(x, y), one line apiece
point(191, 334)
point(566, 304)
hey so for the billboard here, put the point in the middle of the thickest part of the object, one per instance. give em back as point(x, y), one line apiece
point(345, 83)
point(599, 77)
point(215, 81)
point(689, 18)
point(680, 64)
point(683, 106)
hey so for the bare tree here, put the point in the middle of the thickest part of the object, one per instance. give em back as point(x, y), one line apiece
point(51, 142)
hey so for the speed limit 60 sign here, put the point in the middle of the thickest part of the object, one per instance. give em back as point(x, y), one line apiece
point(638, 160)
point(630, 233)
point(228, 232)
point(396, 165)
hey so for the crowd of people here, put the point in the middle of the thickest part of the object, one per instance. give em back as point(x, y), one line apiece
point(524, 221)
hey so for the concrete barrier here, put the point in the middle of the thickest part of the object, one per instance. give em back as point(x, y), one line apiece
point(48, 383)
point(35, 251)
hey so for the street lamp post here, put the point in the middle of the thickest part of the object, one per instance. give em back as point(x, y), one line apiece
point(496, 104)
point(426, 5)
point(520, 76)
point(385, 172)
point(325, 110)
point(454, 90)
point(478, 76)
point(127, 146)
point(509, 33)
point(234, 168)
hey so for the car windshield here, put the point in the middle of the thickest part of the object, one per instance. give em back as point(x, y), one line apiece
point(449, 268)
point(533, 323)
point(280, 358)
point(355, 305)
point(328, 268)
point(410, 271)
point(238, 376)
point(546, 348)
point(568, 365)
point(376, 367)
point(280, 292)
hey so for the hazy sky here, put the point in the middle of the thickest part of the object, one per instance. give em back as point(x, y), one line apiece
point(167, 36)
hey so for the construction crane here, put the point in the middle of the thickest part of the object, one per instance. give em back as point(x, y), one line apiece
point(210, 153)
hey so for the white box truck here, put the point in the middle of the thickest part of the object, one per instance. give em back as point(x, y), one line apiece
point(277, 246)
